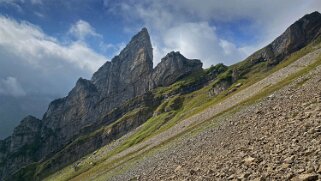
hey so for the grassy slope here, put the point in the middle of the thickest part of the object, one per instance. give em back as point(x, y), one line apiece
point(191, 104)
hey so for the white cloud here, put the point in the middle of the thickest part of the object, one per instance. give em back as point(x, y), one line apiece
point(82, 29)
point(41, 63)
point(40, 15)
point(10, 86)
point(199, 40)
point(265, 21)
point(36, 1)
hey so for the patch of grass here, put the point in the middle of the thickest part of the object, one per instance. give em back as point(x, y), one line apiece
point(147, 129)
point(175, 88)
point(302, 82)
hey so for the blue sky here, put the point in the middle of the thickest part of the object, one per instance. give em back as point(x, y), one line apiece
point(46, 45)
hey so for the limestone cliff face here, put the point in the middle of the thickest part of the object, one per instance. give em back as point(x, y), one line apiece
point(298, 35)
point(26, 133)
point(67, 116)
point(20, 149)
point(124, 78)
point(94, 103)
point(127, 75)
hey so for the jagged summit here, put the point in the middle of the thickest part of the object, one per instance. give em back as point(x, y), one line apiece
point(95, 103)
point(140, 42)
point(172, 67)
point(298, 35)
point(313, 15)
point(139, 50)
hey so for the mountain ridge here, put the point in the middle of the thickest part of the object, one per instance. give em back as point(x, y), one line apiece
point(124, 86)
point(128, 75)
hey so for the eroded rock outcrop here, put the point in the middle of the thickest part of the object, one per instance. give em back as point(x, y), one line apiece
point(27, 133)
point(21, 148)
point(173, 67)
point(298, 35)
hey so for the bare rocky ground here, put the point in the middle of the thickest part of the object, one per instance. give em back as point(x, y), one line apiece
point(278, 138)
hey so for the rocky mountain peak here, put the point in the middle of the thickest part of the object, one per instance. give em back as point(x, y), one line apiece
point(140, 43)
point(296, 36)
point(173, 67)
point(29, 120)
point(85, 86)
point(299, 34)
point(26, 133)
point(312, 16)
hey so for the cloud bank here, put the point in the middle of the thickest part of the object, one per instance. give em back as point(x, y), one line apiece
point(11, 87)
point(43, 64)
point(37, 68)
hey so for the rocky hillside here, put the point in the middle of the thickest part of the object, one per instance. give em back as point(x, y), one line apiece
point(277, 138)
point(129, 101)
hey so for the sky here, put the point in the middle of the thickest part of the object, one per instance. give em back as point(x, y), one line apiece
point(46, 45)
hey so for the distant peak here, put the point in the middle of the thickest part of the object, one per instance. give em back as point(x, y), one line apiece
point(172, 54)
point(139, 41)
point(315, 13)
point(312, 16)
point(142, 35)
point(29, 119)
point(144, 29)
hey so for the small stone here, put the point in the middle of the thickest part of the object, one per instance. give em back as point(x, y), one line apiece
point(311, 131)
point(258, 179)
point(258, 111)
point(231, 177)
point(289, 176)
point(310, 170)
point(173, 177)
point(285, 165)
point(210, 172)
point(243, 176)
point(249, 160)
point(193, 172)
point(178, 168)
point(137, 177)
point(238, 85)
point(300, 171)
point(307, 177)
point(271, 96)
point(319, 170)
point(290, 159)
